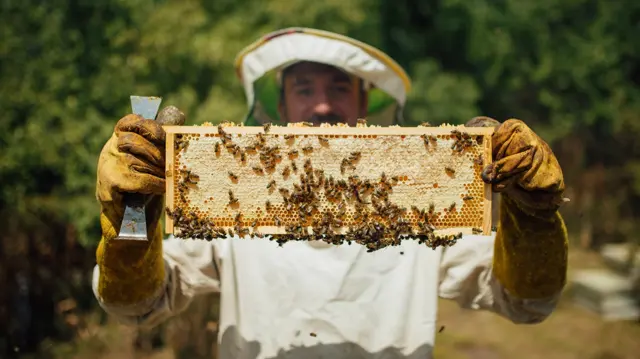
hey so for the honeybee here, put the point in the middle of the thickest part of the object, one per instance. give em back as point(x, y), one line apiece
point(467, 198)
point(307, 149)
point(236, 150)
point(323, 140)
point(476, 230)
point(217, 148)
point(452, 206)
point(266, 127)
point(284, 192)
point(277, 221)
point(181, 144)
point(192, 178)
point(258, 170)
point(271, 185)
point(362, 121)
point(221, 130)
point(233, 177)
point(261, 139)
point(450, 171)
point(268, 206)
point(286, 171)
point(294, 167)
point(185, 173)
point(343, 165)
point(232, 199)
point(289, 137)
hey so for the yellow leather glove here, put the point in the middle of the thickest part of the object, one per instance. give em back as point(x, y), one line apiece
point(132, 160)
point(530, 253)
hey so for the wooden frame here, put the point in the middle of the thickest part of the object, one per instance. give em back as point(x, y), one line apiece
point(210, 135)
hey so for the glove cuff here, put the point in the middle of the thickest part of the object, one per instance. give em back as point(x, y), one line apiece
point(539, 204)
point(130, 271)
point(530, 252)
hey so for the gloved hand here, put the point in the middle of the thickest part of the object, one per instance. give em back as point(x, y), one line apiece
point(530, 253)
point(132, 160)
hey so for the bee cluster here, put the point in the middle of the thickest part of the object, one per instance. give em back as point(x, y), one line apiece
point(462, 141)
point(191, 225)
point(187, 180)
point(379, 225)
point(350, 162)
point(323, 204)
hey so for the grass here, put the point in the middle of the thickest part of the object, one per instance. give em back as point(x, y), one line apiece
point(570, 333)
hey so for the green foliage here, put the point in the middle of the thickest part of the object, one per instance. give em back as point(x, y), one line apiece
point(441, 97)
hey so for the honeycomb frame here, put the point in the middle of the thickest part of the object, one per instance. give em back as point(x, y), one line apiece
point(431, 175)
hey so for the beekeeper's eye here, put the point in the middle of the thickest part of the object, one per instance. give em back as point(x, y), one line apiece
point(342, 88)
point(304, 91)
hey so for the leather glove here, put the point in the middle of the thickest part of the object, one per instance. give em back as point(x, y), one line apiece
point(530, 252)
point(132, 160)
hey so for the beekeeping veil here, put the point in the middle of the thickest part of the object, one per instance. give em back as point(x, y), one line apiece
point(259, 67)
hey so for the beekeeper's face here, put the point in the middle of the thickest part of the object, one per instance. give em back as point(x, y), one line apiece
point(320, 93)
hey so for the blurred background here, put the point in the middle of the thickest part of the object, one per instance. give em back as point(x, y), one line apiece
point(570, 69)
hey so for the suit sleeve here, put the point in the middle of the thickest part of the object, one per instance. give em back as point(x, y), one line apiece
point(467, 276)
point(192, 268)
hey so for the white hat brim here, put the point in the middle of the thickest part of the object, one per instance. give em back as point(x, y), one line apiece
point(295, 45)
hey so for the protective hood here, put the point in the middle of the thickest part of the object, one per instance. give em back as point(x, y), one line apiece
point(259, 66)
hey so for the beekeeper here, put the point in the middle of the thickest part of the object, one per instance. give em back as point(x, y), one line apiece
point(315, 300)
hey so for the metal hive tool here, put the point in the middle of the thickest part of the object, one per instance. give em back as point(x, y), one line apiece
point(134, 221)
